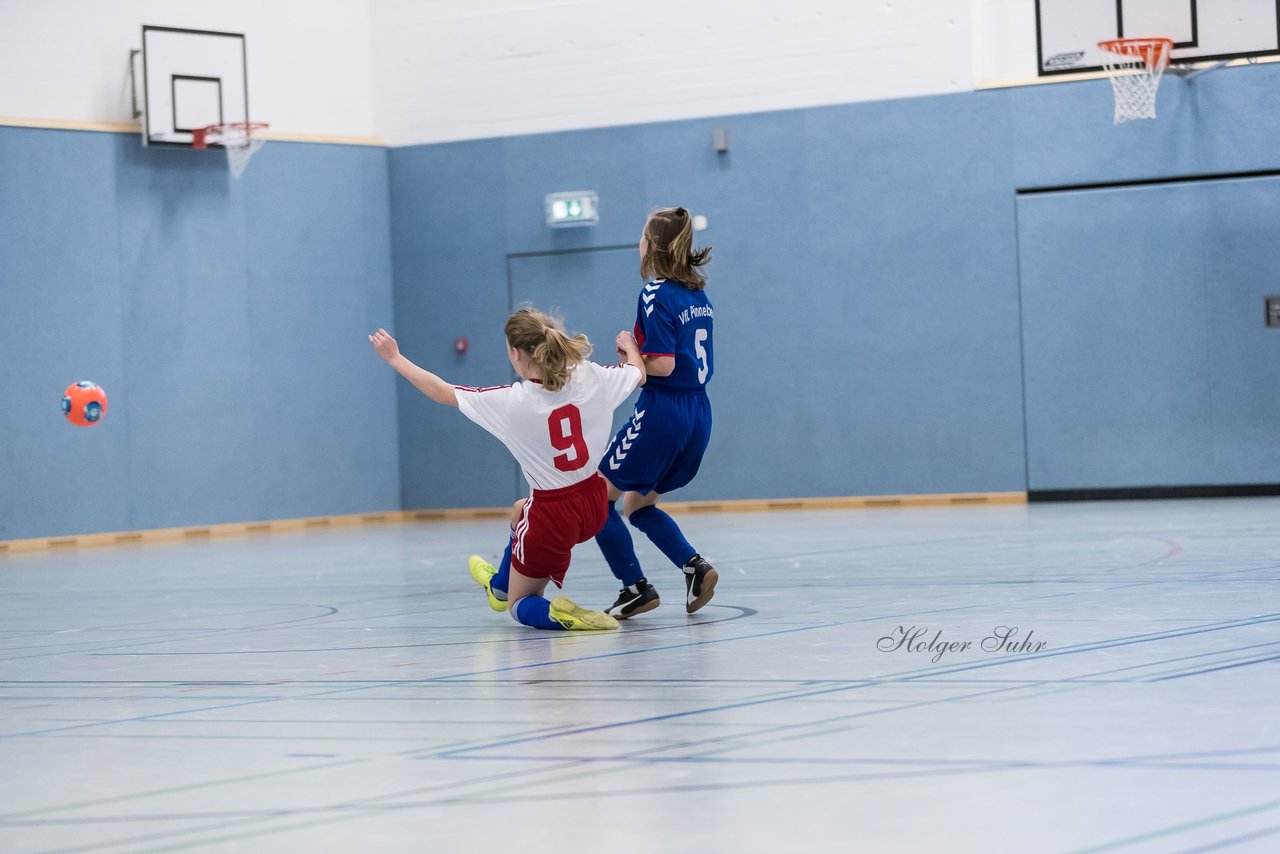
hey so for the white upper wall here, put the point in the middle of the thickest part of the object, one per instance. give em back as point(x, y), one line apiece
point(413, 71)
point(1004, 41)
point(309, 68)
point(458, 69)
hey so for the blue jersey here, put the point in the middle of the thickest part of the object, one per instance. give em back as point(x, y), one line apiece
point(672, 320)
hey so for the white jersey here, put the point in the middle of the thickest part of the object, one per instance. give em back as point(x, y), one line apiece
point(557, 437)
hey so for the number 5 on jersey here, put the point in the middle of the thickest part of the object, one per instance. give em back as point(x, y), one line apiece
point(565, 426)
point(700, 335)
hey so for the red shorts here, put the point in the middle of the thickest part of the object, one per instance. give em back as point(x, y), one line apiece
point(553, 522)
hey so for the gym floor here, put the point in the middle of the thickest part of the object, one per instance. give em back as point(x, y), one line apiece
point(349, 689)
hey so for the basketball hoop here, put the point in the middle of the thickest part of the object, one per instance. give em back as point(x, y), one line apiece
point(240, 140)
point(1135, 66)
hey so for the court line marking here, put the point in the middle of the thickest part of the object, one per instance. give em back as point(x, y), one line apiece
point(1178, 828)
point(1152, 762)
point(518, 636)
point(1234, 840)
point(183, 635)
point(1228, 666)
point(560, 797)
point(389, 683)
point(909, 675)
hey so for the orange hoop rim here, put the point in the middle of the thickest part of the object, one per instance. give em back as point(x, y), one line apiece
point(1149, 50)
point(250, 128)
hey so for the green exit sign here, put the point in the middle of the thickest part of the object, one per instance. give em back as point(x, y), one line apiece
point(576, 208)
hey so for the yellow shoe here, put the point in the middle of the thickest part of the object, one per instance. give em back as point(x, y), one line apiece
point(575, 618)
point(483, 572)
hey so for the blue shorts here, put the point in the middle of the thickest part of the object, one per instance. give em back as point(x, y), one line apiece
point(661, 447)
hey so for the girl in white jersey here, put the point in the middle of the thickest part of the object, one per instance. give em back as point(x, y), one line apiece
point(557, 424)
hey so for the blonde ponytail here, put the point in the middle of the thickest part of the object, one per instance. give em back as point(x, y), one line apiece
point(543, 338)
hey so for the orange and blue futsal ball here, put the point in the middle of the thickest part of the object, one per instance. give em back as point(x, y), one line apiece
point(84, 403)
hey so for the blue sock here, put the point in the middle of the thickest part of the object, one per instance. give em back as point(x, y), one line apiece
point(665, 534)
point(534, 611)
point(619, 552)
point(498, 584)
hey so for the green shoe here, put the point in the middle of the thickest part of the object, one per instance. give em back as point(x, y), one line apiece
point(483, 572)
point(575, 618)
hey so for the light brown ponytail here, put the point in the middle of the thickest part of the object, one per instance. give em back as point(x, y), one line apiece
point(669, 234)
point(543, 338)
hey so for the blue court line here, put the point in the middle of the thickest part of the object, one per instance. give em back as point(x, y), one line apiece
point(242, 610)
point(388, 683)
point(9, 735)
point(1179, 828)
point(1234, 840)
point(95, 698)
point(910, 675)
point(544, 637)
point(972, 764)
point(10, 818)
point(579, 758)
point(553, 662)
point(461, 753)
point(1159, 760)
point(334, 610)
point(1175, 659)
point(1136, 639)
point(179, 635)
point(391, 683)
point(16, 684)
point(1129, 640)
point(346, 810)
point(369, 805)
point(1230, 666)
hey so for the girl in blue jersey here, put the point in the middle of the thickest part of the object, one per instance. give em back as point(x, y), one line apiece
point(660, 449)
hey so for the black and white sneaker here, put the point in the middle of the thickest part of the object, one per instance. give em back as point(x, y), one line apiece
point(700, 580)
point(634, 599)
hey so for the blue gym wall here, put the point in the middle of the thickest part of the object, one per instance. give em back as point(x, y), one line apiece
point(879, 284)
point(225, 319)
point(893, 315)
point(864, 278)
point(1147, 359)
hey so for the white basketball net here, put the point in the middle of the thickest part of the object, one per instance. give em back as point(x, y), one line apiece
point(1135, 77)
point(240, 143)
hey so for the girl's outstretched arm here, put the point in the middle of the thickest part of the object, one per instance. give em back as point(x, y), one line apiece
point(427, 383)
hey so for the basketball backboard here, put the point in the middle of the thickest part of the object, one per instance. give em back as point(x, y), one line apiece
point(1068, 31)
point(191, 79)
